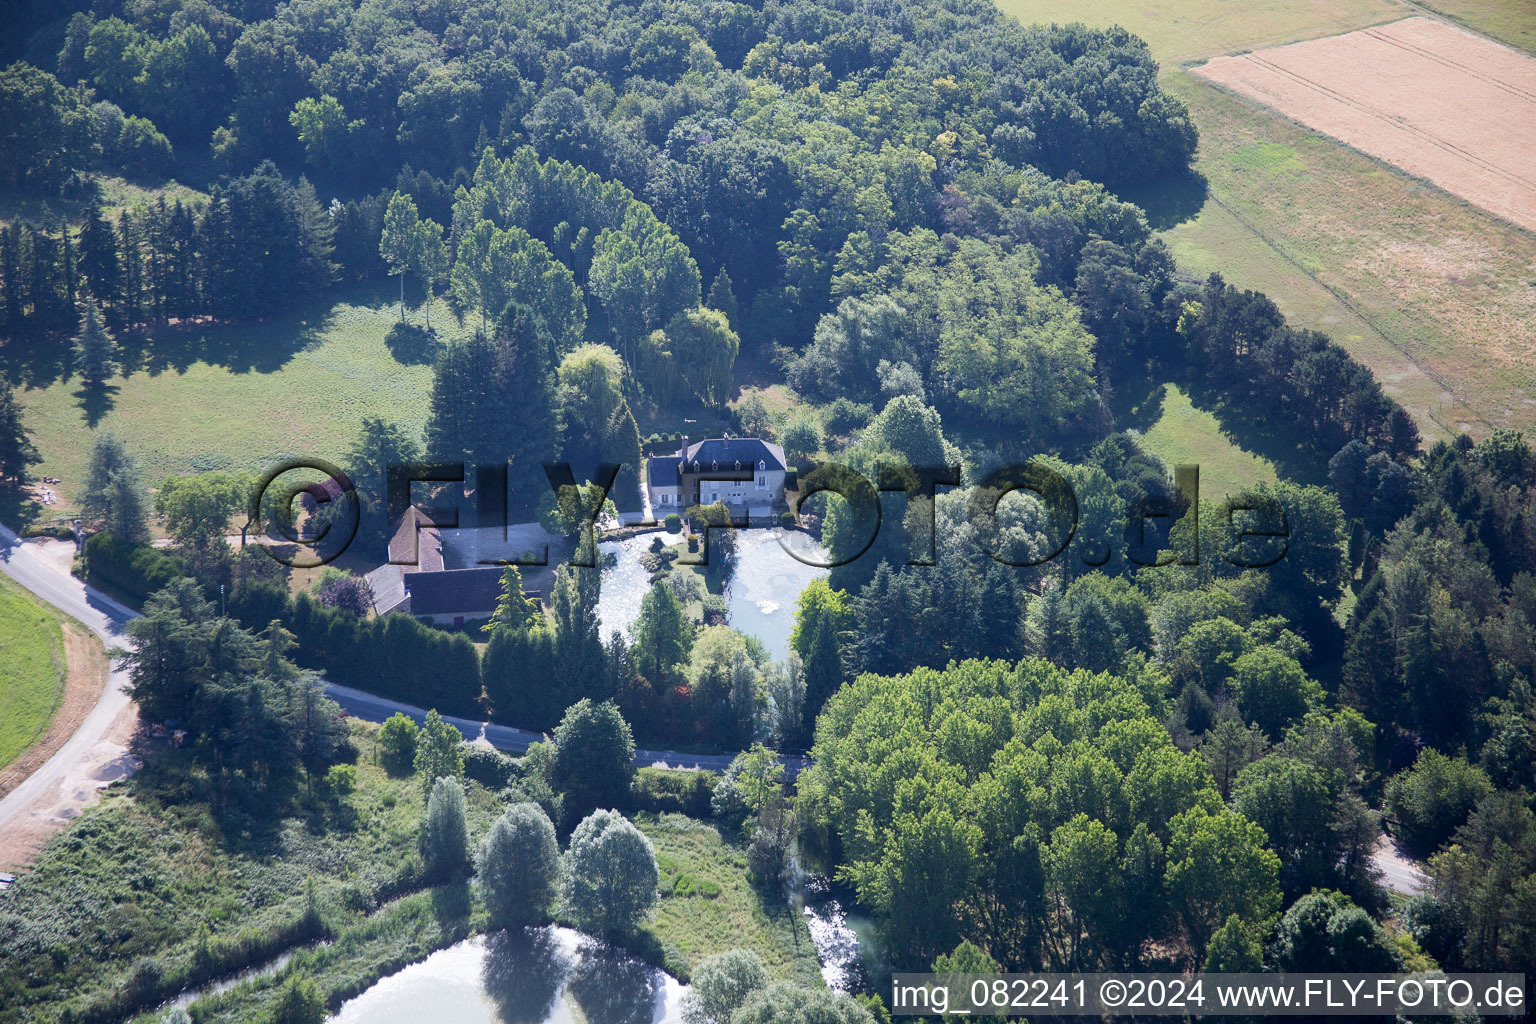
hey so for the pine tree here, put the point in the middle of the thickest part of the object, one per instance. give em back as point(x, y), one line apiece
point(114, 490)
point(17, 452)
point(514, 611)
point(493, 401)
point(99, 260)
point(578, 645)
point(95, 348)
point(12, 284)
point(721, 297)
point(317, 237)
point(130, 270)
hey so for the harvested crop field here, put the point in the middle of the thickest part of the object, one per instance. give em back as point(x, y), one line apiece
point(1440, 103)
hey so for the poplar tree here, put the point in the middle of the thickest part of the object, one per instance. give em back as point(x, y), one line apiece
point(431, 258)
point(400, 238)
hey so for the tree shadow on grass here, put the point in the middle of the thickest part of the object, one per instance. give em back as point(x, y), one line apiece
point(1169, 200)
point(34, 361)
point(17, 510)
point(96, 400)
point(1243, 420)
point(413, 345)
point(1136, 402)
point(451, 906)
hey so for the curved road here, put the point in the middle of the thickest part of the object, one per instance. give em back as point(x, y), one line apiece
point(102, 616)
point(105, 617)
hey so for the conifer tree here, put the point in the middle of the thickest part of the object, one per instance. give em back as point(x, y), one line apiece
point(17, 452)
point(721, 297)
point(114, 490)
point(95, 348)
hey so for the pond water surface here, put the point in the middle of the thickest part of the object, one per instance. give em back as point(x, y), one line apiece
point(537, 976)
point(761, 595)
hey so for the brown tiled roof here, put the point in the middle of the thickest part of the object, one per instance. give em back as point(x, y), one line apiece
point(416, 543)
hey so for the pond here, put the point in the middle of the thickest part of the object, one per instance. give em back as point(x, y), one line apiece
point(761, 595)
point(536, 976)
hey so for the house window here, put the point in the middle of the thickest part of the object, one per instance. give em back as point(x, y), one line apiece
point(762, 481)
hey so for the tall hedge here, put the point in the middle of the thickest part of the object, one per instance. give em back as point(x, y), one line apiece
point(133, 570)
point(394, 656)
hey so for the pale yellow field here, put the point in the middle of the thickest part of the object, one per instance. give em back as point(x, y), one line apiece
point(1436, 296)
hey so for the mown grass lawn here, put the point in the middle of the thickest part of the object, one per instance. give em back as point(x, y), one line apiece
point(237, 396)
point(1184, 434)
point(32, 669)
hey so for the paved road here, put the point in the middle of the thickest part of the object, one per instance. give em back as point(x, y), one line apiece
point(1399, 872)
point(106, 617)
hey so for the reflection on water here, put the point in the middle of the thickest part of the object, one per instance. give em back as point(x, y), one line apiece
point(625, 582)
point(537, 976)
point(843, 941)
point(768, 582)
point(761, 596)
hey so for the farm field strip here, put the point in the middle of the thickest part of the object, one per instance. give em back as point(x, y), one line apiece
point(1431, 99)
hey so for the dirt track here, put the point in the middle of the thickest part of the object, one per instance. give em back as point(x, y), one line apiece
point(84, 680)
point(1438, 102)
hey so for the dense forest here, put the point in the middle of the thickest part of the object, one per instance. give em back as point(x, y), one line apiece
point(1106, 749)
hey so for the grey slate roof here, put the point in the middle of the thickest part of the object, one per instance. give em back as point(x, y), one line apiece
point(456, 591)
point(724, 452)
point(661, 470)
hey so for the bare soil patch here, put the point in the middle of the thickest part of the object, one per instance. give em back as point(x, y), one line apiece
point(1440, 103)
point(109, 761)
point(88, 669)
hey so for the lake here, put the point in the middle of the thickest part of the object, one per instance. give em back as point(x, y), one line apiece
point(538, 976)
point(761, 595)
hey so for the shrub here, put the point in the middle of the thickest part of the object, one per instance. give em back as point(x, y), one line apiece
point(674, 522)
point(787, 520)
point(491, 768)
point(665, 791)
point(341, 780)
point(802, 437)
point(300, 1003)
point(721, 983)
point(397, 743)
point(844, 416)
